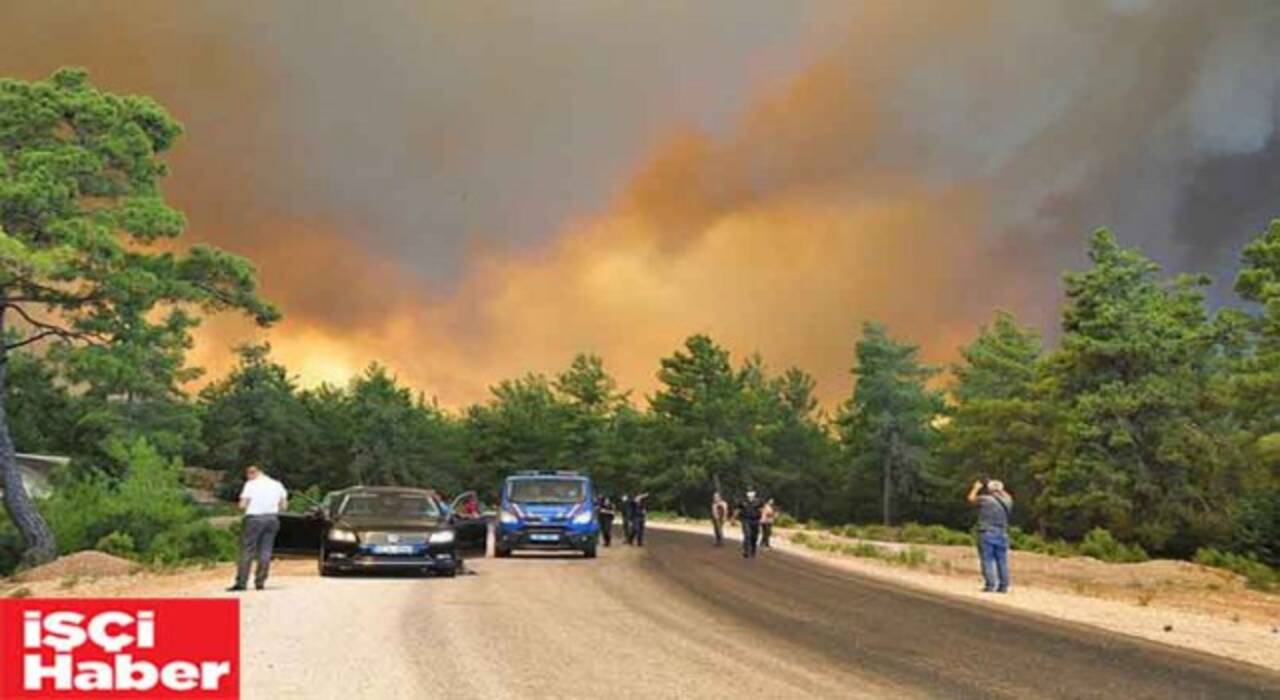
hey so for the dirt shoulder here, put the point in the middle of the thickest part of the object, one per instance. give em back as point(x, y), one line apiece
point(1172, 602)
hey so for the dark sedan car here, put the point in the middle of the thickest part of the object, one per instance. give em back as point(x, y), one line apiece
point(384, 528)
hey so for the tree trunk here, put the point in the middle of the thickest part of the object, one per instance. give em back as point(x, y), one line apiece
point(888, 477)
point(40, 545)
point(888, 480)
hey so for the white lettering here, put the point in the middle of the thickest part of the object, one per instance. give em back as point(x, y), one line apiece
point(31, 629)
point(211, 673)
point(63, 631)
point(93, 675)
point(146, 629)
point(180, 675)
point(100, 635)
point(34, 672)
point(135, 676)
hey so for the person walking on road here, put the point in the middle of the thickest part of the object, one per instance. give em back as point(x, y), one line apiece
point(604, 514)
point(628, 519)
point(767, 514)
point(639, 512)
point(719, 514)
point(994, 509)
point(749, 510)
point(261, 499)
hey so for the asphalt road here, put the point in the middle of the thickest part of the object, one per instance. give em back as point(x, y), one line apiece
point(682, 619)
point(937, 646)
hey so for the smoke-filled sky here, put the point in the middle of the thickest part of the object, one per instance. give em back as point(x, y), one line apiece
point(470, 191)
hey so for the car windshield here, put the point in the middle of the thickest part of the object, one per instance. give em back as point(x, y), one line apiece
point(405, 505)
point(547, 490)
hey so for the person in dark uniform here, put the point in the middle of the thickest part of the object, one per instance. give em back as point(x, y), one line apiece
point(604, 514)
point(750, 508)
point(628, 519)
point(639, 511)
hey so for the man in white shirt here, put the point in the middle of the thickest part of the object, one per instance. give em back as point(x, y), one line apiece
point(261, 499)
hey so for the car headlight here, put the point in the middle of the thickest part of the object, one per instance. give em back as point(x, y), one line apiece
point(441, 537)
point(341, 534)
point(508, 518)
point(583, 518)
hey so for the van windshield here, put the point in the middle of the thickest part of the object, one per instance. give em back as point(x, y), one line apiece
point(547, 490)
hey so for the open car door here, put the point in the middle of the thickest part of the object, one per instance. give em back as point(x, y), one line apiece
point(471, 529)
point(301, 533)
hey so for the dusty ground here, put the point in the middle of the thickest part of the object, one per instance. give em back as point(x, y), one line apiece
point(683, 619)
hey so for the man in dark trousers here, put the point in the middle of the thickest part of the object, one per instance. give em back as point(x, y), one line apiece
point(628, 519)
point(604, 514)
point(639, 511)
point(749, 512)
point(261, 500)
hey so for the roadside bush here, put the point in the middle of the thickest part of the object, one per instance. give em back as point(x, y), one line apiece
point(147, 501)
point(1099, 544)
point(194, 541)
point(912, 533)
point(785, 520)
point(1031, 542)
point(117, 543)
point(1257, 575)
point(912, 557)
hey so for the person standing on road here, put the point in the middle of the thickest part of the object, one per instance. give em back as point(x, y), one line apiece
point(604, 514)
point(749, 510)
point(628, 519)
point(719, 514)
point(261, 499)
point(639, 512)
point(767, 514)
point(994, 508)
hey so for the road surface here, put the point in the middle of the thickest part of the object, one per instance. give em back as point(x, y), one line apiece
point(682, 619)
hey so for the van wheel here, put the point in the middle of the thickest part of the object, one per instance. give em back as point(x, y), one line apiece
point(589, 552)
point(500, 553)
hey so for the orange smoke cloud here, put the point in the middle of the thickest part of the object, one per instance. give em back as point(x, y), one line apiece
point(762, 240)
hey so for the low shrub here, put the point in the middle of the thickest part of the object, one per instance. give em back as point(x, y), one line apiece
point(1031, 542)
point(912, 557)
point(911, 533)
point(117, 543)
point(1099, 544)
point(1257, 575)
point(196, 541)
point(863, 550)
point(785, 520)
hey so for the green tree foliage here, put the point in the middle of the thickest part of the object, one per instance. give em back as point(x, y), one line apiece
point(42, 412)
point(255, 416)
point(1139, 445)
point(525, 425)
point(887, 425)
point(996, 424)
point(707, 426)
point(81, 220)
point(400, 439)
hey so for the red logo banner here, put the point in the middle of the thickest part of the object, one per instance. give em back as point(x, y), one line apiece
point(119, 648)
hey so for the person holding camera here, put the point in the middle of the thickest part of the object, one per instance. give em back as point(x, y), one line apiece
point(995, 507)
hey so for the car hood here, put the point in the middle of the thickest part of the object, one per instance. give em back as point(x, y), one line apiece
point(382, 522)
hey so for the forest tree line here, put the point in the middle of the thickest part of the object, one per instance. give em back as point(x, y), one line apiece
point(1153, 417)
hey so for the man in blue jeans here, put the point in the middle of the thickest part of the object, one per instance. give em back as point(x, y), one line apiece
point(994, 508)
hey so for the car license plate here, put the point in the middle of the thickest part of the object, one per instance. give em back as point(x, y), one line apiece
point(544, 537)
point(393, 549)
